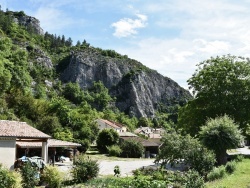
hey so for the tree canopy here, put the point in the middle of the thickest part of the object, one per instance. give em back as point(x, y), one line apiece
point(221, 86)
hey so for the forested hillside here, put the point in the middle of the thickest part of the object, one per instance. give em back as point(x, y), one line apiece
point(42, 82)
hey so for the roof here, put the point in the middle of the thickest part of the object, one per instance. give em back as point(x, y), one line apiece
point(143, 129)
point(20, 130)
point(51, 143)
point(117, 124)
point(126, 134)
point(144, 142)
point(109, 123)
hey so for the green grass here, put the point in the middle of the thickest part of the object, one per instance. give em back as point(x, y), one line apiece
point(240, 178)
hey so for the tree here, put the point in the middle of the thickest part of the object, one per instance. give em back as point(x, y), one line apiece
point(220, 134)
point(176, 148)
point(107, 137)
point(221, 86)
point(101, 96)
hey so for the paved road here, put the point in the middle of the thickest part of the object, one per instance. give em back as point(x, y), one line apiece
point(126, 167)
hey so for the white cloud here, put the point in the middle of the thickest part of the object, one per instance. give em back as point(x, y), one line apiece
point(53, 20)
point(127, 26)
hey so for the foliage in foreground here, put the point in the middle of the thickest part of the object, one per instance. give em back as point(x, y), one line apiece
point(240, 177)
point(84, 169)
point(149, 178)
point(30, 175)
point(9, 178)
point(52, 176)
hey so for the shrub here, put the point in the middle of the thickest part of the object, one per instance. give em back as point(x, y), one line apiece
point(132, 148)
point(230, 167)
point(239, 158)
point(84, 169)
point(194, 180)
point(52, 176)
point(114, 150)
point(9, 178)
point(30, 175)
point(176, 146)
point(216, 173)
point(117, 171)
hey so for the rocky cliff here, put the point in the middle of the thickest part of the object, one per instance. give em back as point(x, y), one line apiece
point(30, 23)
point(139, 90)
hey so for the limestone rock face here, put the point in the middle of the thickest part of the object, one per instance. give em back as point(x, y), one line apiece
point(42, 59)
point(139, 90)
point(30, 22)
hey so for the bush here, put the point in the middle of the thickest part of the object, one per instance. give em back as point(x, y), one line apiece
point(30, 175)
point(216, 173)
point(84, 169)
point(230, 167)
point(9, 178)
point(132, 148)
point(114, 150)
point(85, 144)
point(239, 158)
point(52, 177)
point(194, 180)
point(176, 146)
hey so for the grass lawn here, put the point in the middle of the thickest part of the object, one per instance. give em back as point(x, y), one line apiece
point(240, 178)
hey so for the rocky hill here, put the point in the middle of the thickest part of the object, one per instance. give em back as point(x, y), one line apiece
point(139, 90)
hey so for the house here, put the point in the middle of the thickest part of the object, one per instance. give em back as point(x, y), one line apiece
point(19, 139)
point(13, 131)
point(150, 146)
point(150, 132)
point(34, 148)
point(106, 124)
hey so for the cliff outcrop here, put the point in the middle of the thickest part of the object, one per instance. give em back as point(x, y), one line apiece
point(139, 90)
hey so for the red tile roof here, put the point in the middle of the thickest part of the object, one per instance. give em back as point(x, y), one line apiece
point(110, 123)
point(19, 130)
point(51, 143)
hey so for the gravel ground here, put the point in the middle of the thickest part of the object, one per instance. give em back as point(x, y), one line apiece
point(107, 167)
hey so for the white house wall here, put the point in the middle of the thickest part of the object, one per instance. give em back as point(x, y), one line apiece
point(7, 152)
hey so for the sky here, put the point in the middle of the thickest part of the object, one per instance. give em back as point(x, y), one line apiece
point(169, 36)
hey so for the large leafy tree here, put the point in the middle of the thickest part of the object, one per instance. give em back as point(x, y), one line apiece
point(221, 86)
point(220, 134)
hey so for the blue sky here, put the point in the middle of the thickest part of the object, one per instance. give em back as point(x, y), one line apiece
point(170, 36)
